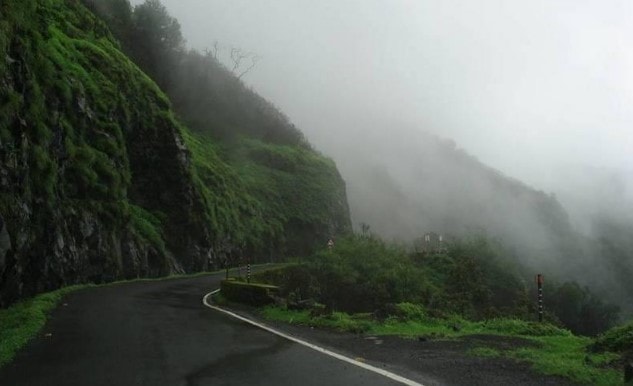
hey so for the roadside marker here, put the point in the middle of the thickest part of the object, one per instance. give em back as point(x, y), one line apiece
point(314, 347)
point(539, 288)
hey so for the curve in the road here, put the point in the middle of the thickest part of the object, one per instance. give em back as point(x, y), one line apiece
point(384, 373)
point(158, 334)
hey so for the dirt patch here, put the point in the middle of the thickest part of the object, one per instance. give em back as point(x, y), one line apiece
point(498, 342)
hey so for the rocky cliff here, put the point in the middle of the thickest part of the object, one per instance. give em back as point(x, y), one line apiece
point(99, 181)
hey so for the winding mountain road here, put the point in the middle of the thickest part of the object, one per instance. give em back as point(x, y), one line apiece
point(159, 333)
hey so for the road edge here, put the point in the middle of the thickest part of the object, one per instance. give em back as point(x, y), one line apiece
point(384, 373)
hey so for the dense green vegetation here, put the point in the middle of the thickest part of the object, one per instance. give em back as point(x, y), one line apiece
point(288, 198)
point(364, 285)
point(474, 279)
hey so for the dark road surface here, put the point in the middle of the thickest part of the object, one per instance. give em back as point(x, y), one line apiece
point(159, 333)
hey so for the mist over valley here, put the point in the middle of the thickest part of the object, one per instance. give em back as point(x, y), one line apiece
point(456, 119)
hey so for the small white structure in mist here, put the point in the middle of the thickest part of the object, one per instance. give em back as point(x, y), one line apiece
point(430, 242)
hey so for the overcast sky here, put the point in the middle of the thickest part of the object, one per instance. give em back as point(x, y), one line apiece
point(525, 86)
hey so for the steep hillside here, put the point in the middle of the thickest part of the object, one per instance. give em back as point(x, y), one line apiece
point(99, 181)
point(300, 194)
point(424, 183)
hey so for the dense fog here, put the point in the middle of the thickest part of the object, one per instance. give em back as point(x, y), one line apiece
point(536, 90)
point(508, 119)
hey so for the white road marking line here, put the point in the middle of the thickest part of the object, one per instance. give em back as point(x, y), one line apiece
point(322, 350)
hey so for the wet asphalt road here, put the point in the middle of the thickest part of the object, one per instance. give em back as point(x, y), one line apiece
point(159, 333)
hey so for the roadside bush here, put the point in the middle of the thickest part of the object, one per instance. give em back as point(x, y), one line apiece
point(475, 279)
point(522, 327)
point(345, 322)
point(294, 281)
point(410, 311)
point(617, 339)
point(480, 283)
point(580, 310)
point(254, 294)
point(362, 274)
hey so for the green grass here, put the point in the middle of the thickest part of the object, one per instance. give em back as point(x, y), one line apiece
point(287, 316)
point(339, 321)
point(455, 327)
point(567, 356)
point(555, 351)
point(148, 225)
point(24, 320)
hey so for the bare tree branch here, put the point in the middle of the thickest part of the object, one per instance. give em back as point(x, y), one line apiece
point(237, 56)
point(238, 59)
point(254, 60)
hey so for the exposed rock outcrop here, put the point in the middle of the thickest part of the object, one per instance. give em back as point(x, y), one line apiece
point(90, 157)
point(99, 181)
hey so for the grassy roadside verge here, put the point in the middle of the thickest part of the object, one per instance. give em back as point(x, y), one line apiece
point(548, 349)
point(24, 320)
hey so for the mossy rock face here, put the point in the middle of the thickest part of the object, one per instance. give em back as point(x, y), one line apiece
point(84, 137)
point(99, 181)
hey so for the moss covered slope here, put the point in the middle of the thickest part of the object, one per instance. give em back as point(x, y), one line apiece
point(94, 173)
point(99, 181)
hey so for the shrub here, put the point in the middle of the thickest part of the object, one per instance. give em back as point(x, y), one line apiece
point(581, 310)
point(363, 274)
point(410, 311)
point(344, 322)
point(618, 339)
point(294, 280)
point(521, 327)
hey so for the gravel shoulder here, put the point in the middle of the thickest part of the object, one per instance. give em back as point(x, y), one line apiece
point(430, 362)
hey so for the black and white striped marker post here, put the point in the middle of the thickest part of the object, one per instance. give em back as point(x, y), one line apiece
point(248, 272)
point(539, 285)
